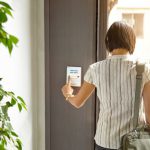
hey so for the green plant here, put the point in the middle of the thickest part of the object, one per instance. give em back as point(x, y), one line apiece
point(7, 134)
point(6, 39)
point(8, 99)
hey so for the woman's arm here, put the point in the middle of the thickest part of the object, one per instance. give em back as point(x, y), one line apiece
point(80, 98)
point(146, 97)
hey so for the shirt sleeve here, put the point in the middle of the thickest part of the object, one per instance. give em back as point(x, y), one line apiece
point(146, 75)
point(89, 75)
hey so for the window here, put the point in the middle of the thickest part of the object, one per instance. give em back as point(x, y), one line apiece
point(136, 21)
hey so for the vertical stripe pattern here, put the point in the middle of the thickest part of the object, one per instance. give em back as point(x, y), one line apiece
point(115, 80)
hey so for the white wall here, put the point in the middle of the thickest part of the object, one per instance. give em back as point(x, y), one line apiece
point(23, 71)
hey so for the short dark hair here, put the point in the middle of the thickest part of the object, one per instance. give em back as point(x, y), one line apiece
point(120, 35)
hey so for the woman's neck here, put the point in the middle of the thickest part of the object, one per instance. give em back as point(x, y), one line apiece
point(120, 51)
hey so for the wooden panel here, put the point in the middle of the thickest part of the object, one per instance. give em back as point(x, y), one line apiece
point(70, 32)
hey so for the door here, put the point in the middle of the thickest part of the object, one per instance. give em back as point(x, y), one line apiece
point(71, 38)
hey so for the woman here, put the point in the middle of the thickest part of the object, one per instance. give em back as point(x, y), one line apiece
point(115, 80)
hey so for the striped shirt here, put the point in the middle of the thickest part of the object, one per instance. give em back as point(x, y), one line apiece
point(115, 80)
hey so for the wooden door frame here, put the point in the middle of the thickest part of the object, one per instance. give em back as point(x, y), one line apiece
point(47, 73)
point(101, 28)
point(102, 19)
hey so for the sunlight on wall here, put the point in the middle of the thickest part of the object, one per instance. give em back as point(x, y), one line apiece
point(16, 70)
point(137, 14)
point(23, 72)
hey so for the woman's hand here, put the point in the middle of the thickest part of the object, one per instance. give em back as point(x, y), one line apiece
point(67, 90)
point(80, 98)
